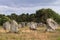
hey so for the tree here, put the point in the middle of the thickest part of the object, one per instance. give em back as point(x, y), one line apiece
point(27, 17)
point(32, 17)
point(14, 16)
point(43, 14)
point(4, 19)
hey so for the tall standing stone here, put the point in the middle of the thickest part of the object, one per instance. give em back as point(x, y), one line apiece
point(14, 26)
point(51, 25)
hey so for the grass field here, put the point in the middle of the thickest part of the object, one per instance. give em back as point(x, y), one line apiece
point(27, 34)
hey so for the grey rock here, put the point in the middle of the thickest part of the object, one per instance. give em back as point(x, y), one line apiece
point(51, 24)
point(33, 26)
point(14, 26)
point(40, 24)
point(6, 26)
point(19, 25)
point(23, 24)
point(28, 24)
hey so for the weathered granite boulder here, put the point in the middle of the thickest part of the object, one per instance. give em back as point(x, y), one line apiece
point(6, 26)
point(33, 26)
point(23, 24)
point(51, 25)
point(14, 26)
point(28, 24)
point(19, 25)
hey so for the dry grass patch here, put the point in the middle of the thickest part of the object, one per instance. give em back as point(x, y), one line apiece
point(27, 34)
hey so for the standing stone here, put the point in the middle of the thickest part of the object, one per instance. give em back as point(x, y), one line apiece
point(28, 24)
point(20, 26)
point(23, 24)
point(14, 26)
point(51, 25)
point(33, 26)
point(39, 24)
point(6, 26)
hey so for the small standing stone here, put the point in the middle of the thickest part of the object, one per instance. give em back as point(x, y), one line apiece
point(33, 26)
point(19, 25)
point(6, 26)
point(23, 24)
point(28, 24)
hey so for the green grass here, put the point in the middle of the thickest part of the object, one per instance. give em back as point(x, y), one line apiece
point(58, 38)
point(27, 34)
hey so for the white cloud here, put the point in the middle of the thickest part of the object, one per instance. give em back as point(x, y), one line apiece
point(8, 10)
point(56, 3)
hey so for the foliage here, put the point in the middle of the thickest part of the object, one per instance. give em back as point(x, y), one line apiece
point(43, 14)
point(40, 16)
point(3, 19)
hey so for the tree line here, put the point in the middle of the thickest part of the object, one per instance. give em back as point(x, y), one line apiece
point(40, 16)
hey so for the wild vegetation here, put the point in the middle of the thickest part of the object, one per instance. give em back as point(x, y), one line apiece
point(25, 33)
point(40, 16)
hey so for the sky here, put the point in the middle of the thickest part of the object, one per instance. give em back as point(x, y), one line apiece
point(27, 6)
